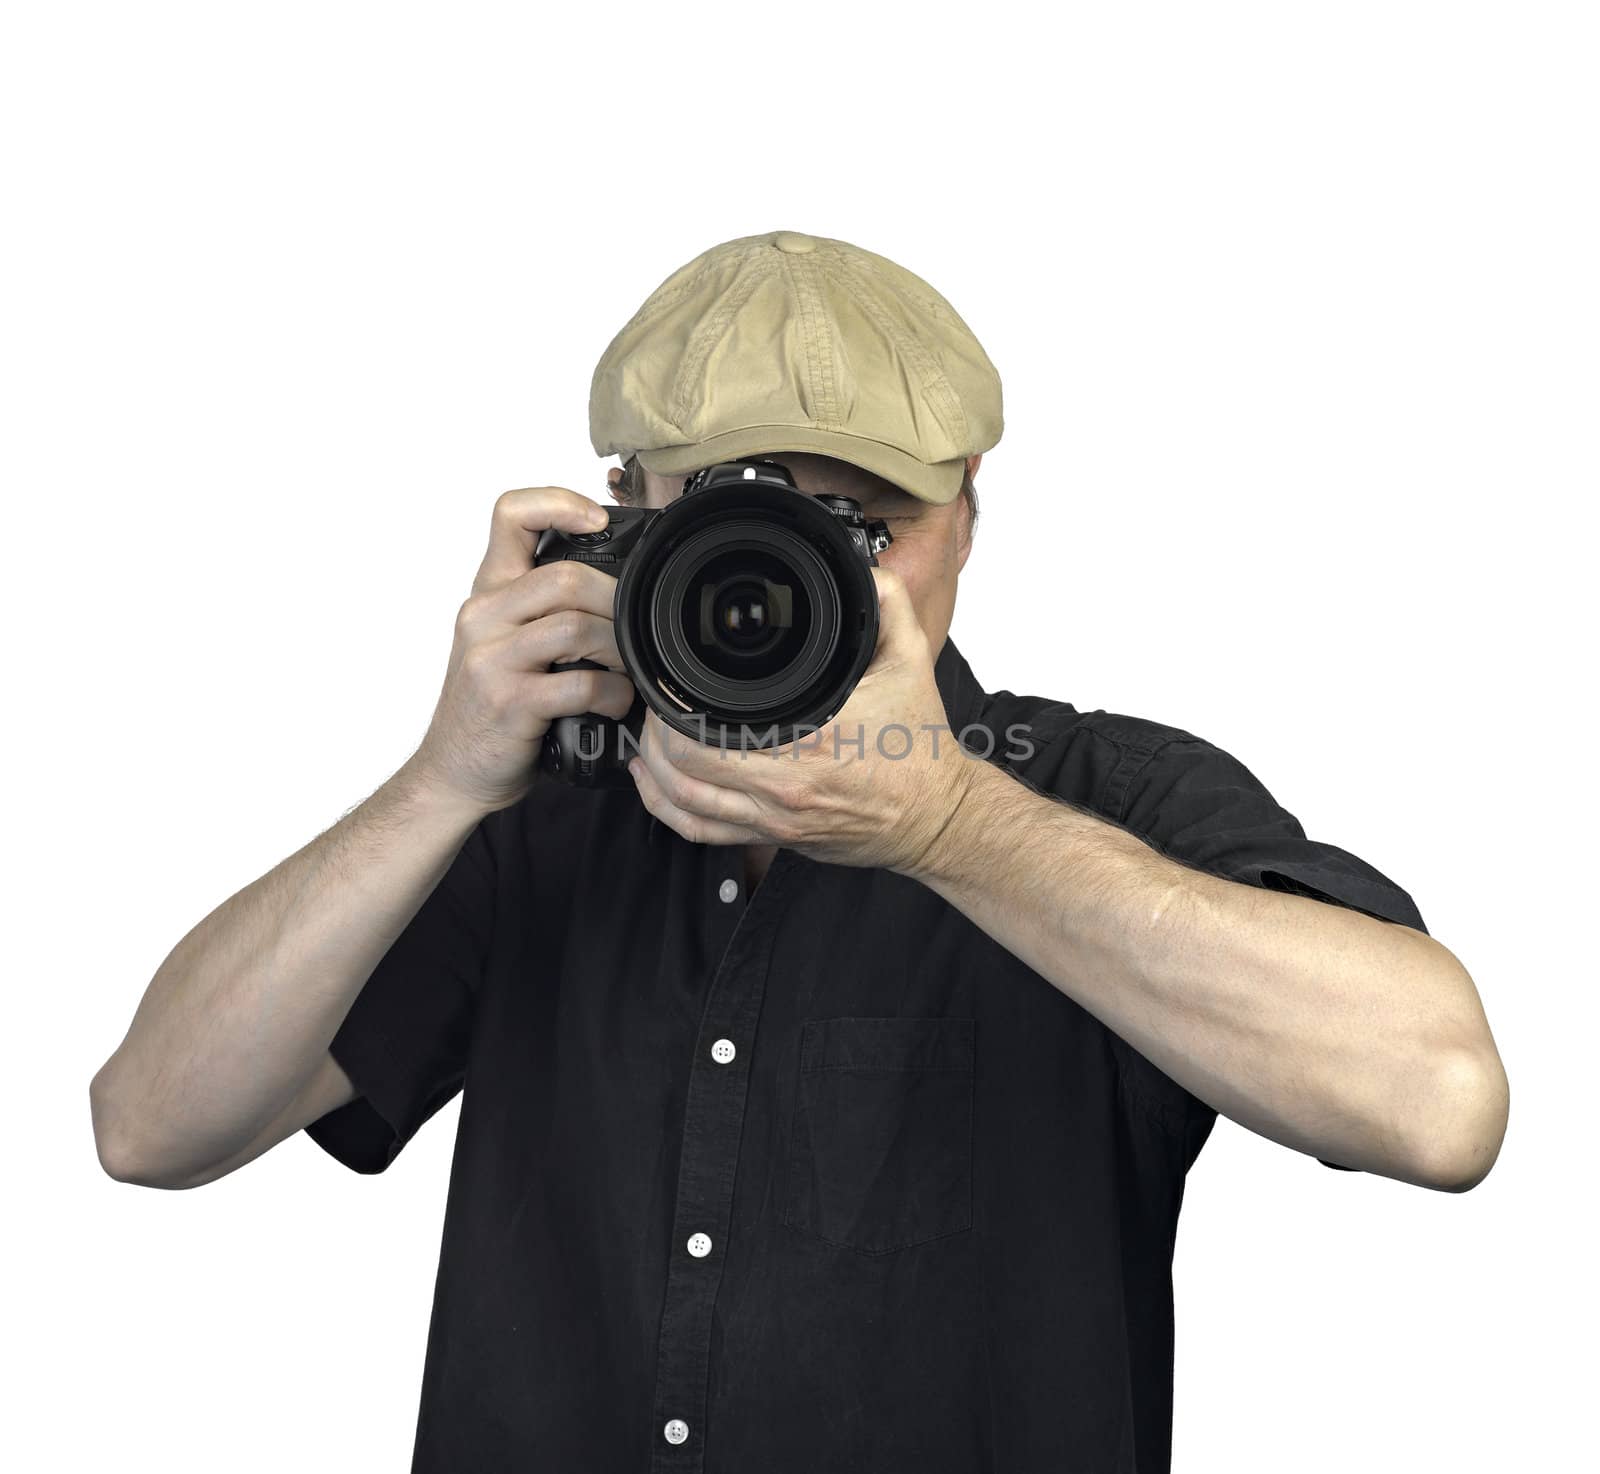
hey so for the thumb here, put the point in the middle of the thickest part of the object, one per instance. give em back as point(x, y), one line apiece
point(900, 635)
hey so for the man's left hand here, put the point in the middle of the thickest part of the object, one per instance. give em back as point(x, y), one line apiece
point(877, 786)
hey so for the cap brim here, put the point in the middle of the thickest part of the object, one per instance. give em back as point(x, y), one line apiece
point(939, 483)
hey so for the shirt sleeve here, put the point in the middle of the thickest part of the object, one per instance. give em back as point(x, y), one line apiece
point(1202, 806)
point(405, 1039)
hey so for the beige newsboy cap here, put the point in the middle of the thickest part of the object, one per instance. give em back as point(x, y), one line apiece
point(797, 342)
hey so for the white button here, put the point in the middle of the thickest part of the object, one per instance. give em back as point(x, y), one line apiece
point(729, 890)
point(723, 1051)
point(677, 1430)
point(699, 1245)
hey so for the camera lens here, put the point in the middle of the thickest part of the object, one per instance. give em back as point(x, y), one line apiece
point(746, 615)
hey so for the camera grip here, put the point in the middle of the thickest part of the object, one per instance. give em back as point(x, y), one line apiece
point(592, 751)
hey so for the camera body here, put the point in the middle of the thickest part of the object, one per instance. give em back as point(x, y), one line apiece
point(745, 614)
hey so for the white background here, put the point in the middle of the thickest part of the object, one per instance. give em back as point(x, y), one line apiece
point(1295, 308)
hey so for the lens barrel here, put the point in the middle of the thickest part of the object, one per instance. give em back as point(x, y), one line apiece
point(746, 614)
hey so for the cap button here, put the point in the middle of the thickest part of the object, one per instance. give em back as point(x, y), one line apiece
point(793, 243)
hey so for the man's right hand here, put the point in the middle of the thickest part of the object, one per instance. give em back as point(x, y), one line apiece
point(500, 694)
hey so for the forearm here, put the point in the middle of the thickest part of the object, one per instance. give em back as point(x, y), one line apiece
point(1357, 1040)
point(243, 1009)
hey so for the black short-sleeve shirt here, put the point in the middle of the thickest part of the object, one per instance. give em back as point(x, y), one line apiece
point(818, 1179)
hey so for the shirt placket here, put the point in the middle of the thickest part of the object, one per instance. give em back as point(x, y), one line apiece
point(719, 1079)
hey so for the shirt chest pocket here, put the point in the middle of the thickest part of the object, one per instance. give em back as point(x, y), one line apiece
point(880, 1148)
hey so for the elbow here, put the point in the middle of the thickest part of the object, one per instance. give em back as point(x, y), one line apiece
point(116, 1146)
point(1458, 1133)
point(112, 1144)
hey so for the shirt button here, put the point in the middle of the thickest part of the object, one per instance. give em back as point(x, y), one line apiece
point(729, 890)
point(699, 1245)
point(676, 1431)
point(723, 1051)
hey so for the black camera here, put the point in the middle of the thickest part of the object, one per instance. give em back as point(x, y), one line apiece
point(745, 615)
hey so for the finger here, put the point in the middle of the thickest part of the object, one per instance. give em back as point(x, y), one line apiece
point(689, 755)
point(518, 519)
point(696, 828)
point(539, 591)
point(568, 693)
point(698, 796)
point(551, 586)
point(565, 636)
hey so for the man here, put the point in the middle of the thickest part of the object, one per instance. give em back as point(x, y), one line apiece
point(829, 1107)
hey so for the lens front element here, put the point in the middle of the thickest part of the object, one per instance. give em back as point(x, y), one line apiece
point(751, 613)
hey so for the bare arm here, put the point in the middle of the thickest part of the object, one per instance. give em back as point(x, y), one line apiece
point(228, 1051)
point(1357, 1040)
